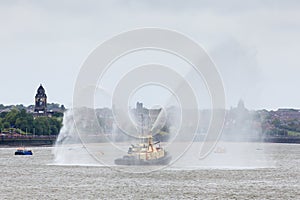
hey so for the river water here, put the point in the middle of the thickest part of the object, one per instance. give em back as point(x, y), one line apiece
point(271, 172)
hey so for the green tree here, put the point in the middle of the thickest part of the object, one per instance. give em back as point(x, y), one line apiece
point(11, 117)
point(53, 130)
point(6, 125)
point(21, 123)
point(2, 106)
point(55, 125)
point(3, 114)
point(24, 121)
point(1, 124)
point(276, 122)
point(41, 125)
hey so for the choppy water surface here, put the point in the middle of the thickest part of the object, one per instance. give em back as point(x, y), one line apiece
point(262, 171)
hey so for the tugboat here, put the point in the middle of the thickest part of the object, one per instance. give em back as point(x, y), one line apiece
point(145, 153)
point(23, 151)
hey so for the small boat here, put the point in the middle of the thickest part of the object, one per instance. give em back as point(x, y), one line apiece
point(23, 151)
point(145, 153)
point(220, 150)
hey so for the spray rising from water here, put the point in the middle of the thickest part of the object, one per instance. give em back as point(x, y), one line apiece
point(69, 149)
point(236, 150)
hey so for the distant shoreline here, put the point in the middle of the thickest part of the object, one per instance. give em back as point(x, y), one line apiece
point(28, 141)
point(289, 140)
point(16, 146)
point(49, 142)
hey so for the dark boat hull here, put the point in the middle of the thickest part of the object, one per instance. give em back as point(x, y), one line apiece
point(23, 153)
point(127, 160)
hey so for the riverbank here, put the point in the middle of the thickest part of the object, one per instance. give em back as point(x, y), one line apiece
point(292, 140)
point(50, 141)
point(27, 141)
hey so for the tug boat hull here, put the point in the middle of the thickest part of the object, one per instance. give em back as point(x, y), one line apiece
point(130, 160)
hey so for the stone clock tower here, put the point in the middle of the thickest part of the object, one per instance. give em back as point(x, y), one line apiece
point(40, 101)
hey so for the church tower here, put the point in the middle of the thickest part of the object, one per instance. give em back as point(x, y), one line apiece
point(40, 101)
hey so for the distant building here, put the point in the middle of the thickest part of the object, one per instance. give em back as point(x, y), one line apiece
point(145, 118)
point(241, 105)
point(40, 107)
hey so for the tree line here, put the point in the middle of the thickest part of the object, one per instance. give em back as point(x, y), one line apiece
point(20, 121)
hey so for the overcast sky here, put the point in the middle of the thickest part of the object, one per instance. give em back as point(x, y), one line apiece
point(255, 44)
